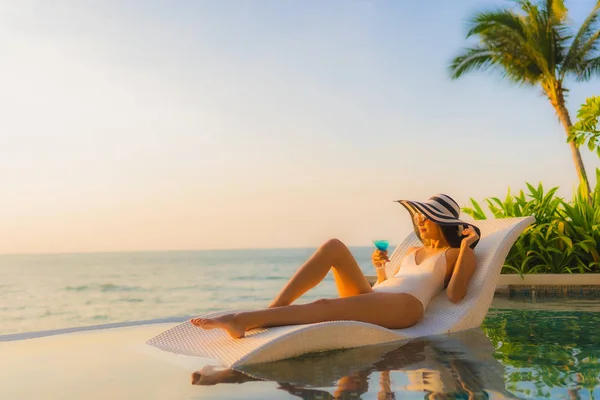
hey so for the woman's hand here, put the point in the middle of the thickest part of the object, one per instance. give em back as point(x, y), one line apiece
point(471, 237)
point(379, 258)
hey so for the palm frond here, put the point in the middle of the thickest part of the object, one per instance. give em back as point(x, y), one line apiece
point(584, 42)
point(505, 59)
point(513, 41)
point(541, 36)
point(475, 58)
point(518, 68)
point(589, 69)
point(557, 10)
point(532, 43)
point(485, 22)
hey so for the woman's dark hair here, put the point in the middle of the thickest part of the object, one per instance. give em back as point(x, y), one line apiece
point(451, 236)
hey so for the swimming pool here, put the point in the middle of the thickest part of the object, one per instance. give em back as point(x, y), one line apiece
point(522, 350)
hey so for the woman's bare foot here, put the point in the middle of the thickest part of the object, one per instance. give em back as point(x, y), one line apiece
point(227, 322)
point(225, 376)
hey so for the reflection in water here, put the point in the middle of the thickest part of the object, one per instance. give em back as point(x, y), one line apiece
point(547, 354)
point(444, 367)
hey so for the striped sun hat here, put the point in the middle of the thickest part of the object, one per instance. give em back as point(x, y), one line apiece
point(444, 211)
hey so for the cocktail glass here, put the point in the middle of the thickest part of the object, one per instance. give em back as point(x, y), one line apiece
point(381, 244)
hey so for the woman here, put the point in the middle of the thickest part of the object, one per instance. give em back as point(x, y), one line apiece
point(446, 260)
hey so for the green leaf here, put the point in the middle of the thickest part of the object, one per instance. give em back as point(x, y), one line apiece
point(511, 268)
point(559, 10)
point(477, 208)
point(587, 127)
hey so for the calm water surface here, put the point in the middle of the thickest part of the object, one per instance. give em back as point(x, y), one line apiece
point(516, 354)
point(524, 349)
point(43, 292)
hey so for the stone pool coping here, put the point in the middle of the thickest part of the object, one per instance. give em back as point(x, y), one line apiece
point(549, 285)
point(549, 279)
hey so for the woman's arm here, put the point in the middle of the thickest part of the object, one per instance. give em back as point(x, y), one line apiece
point(381, 274)
point(463, 268)
point(461, 274)
point(379, 258)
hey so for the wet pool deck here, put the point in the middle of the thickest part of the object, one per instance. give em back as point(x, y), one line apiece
point(98, 364)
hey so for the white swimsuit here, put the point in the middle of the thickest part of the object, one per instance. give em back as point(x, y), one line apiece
point(422, 281)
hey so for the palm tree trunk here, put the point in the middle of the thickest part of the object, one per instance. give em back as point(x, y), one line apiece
point(555, 94)
point(565, 119)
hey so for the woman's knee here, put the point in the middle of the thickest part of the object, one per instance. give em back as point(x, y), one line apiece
point(333, 245)
point(322, 301)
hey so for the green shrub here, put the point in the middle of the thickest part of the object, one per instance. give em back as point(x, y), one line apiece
point(582, 222)
point(565, 237)
point(588, 125)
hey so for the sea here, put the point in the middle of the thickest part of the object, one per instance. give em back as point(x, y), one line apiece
point(525, 348)
point(43, 292)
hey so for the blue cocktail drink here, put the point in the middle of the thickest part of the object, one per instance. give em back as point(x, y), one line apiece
point(381, 244)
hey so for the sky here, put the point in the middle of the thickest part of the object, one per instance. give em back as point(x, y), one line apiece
point(184, 125)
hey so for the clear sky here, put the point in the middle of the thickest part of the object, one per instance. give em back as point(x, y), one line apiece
point(155, 125)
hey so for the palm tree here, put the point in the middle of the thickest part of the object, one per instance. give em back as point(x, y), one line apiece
point(535, 46)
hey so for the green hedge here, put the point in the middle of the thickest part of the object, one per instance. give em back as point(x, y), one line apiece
point(565, 237)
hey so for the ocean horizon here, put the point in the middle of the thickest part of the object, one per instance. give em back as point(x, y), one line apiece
point(49, 253)
point(49, 291)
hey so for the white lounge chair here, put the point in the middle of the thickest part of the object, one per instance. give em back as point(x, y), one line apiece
point(442, 316)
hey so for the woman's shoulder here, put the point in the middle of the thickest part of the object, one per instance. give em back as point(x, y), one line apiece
point(414, 248)
point(452, 254)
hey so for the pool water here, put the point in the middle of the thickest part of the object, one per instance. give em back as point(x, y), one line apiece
point(525, 353)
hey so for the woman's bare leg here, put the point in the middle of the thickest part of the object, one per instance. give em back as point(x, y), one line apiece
point(349, 279)
point(391, 310)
